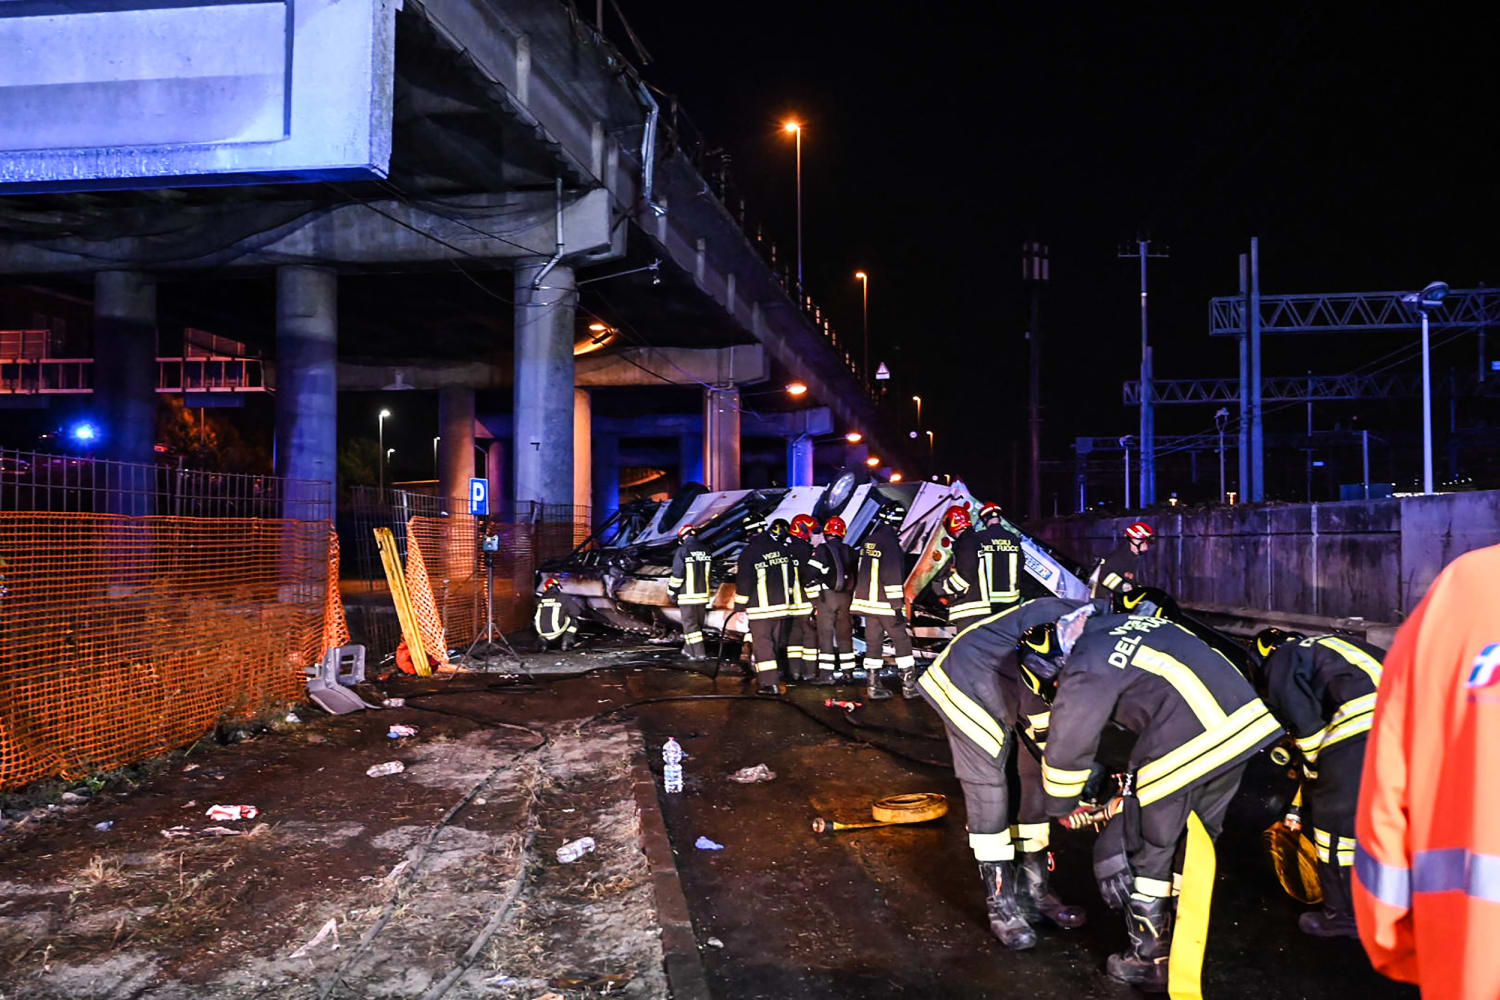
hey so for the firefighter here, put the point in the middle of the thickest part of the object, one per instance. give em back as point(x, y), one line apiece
point(1117, 571)
point(1428, 823)
point(1322, 689)
point(802, 636)
point(1197, 722)
point(833, 567)
point(690, 589)
point(556, 618)
point(975, 686)
point(880, 595)
point(984, 577)
point(763, 585)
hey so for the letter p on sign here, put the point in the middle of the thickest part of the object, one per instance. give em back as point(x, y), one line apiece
point(479, 497)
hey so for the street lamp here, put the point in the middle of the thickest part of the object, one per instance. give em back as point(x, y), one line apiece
point(864, 280)
point(796, 388)
point(895, 477)
point(795, 127)
point(388, 453)
point(873, 461)
point(918, 401)
point(854, 437)
point(380, 435)
point(931, 447)
point(1220, 419)
point(434, 455)
point(1424, 302)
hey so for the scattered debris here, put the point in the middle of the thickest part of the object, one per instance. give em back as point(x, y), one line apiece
point(752, 775)
point(575, 849)
point(76, 798)
point(189, 767)
point(396, 732)
point(714, 942)
point(394, 702)
point(331, 927)
point(208, 831)
point(389, 767)
point(191, 803)
point(704, 844)
point(551, 996)
point(232, 812)
point(395, 872)
point(104, 826)
point(292, 717)
point(847, 706)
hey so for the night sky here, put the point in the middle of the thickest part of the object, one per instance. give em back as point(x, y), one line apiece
point(1362, 153)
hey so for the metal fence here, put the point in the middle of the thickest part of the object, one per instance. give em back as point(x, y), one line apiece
point(37, 481)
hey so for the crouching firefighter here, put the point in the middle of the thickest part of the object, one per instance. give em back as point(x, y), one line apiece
point(556, 618)
point(975, 686)
point(880, 595)
point(690, 589)
point(1197, 723)
point(832, 588)
point(763, 590)
point(1322, 689)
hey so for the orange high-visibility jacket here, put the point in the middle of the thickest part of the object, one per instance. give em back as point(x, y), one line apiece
point(1427, 866)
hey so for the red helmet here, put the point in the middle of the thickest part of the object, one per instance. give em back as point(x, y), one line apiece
point(957, 520)
point(1139, 531)
point(988, 511)
point(550, 583)
point(803, 526)
point(685, 530)
point(835, 527)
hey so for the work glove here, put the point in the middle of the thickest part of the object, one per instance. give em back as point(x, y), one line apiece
point(1112, 866)
point(1088, 814)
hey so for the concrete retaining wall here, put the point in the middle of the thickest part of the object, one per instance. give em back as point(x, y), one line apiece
point(1371, 559)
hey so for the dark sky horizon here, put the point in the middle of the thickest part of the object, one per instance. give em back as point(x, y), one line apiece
point(935, 144)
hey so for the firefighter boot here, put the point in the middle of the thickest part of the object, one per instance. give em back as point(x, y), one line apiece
point(1336, 919)
point(874, 690)
point(908, 669)
point(1149, 923)
point(1034, 892)
point(1006, 920)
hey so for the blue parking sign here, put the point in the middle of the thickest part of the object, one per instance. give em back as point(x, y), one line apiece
point(479, 497)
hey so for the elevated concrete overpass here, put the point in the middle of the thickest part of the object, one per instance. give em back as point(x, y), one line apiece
point(515, 137)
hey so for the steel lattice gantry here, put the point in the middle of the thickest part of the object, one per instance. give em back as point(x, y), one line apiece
point(1351, 312)
point(1296, 389)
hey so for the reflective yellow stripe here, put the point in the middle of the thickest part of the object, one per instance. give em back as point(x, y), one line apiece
point(1112, 580)
point(765, 666)
point(965, 631)
point(1031, 837)
point(1062, 784)
point(1156, 888)
point(1235, 738)
point(966, 714)
point(692, 637)
point(761, 614)
point(1310, 744)
point(1350, 719)
point(675, 581)
point(957, 582)
point(1184, 681)
point(877, 609)
point(762, 590)
point(1354, 655)
point(992, 846)
point(874, 580)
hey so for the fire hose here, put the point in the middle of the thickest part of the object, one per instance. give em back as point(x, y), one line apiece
point(893, 810)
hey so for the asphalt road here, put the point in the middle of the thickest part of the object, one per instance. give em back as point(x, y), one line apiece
point(899, 912)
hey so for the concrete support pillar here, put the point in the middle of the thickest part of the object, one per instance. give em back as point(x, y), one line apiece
point(494, 470)
point(583, 457)
point(721, 437)
point(455, 446)
point(125, 366)
point(543, 452)
point(690, 464)
point(606, 476)
point(307, 381)
point(799, 461)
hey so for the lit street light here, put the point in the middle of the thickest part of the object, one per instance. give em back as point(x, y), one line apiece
point(1424, 302)
point(918, 401)
point(1221, 418)
point(434, 456)
point(895, 477)
point(873, 461)
point(854, 437)
point(864, 280)
point(795, 127)
point(380, 435)
point(796, 388)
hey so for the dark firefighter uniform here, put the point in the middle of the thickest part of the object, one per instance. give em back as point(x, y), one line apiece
point(880, 595)
point(985, 574)
point(1117, 571)
point(975, 686)
point(833, 566)
point(1197, 723)
point(801, 636)
point(691, 591)
point(1322, 689)
point(763, 588)
point(556, 618)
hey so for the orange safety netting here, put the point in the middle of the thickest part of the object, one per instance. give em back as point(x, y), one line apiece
point(124, 637)
point(445, 575)
point(335, 622)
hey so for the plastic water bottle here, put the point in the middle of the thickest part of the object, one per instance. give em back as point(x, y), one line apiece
point(390, 767)
point(575, 849)
point(671, 757)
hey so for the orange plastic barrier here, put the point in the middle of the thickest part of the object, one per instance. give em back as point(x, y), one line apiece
point(125, 637)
